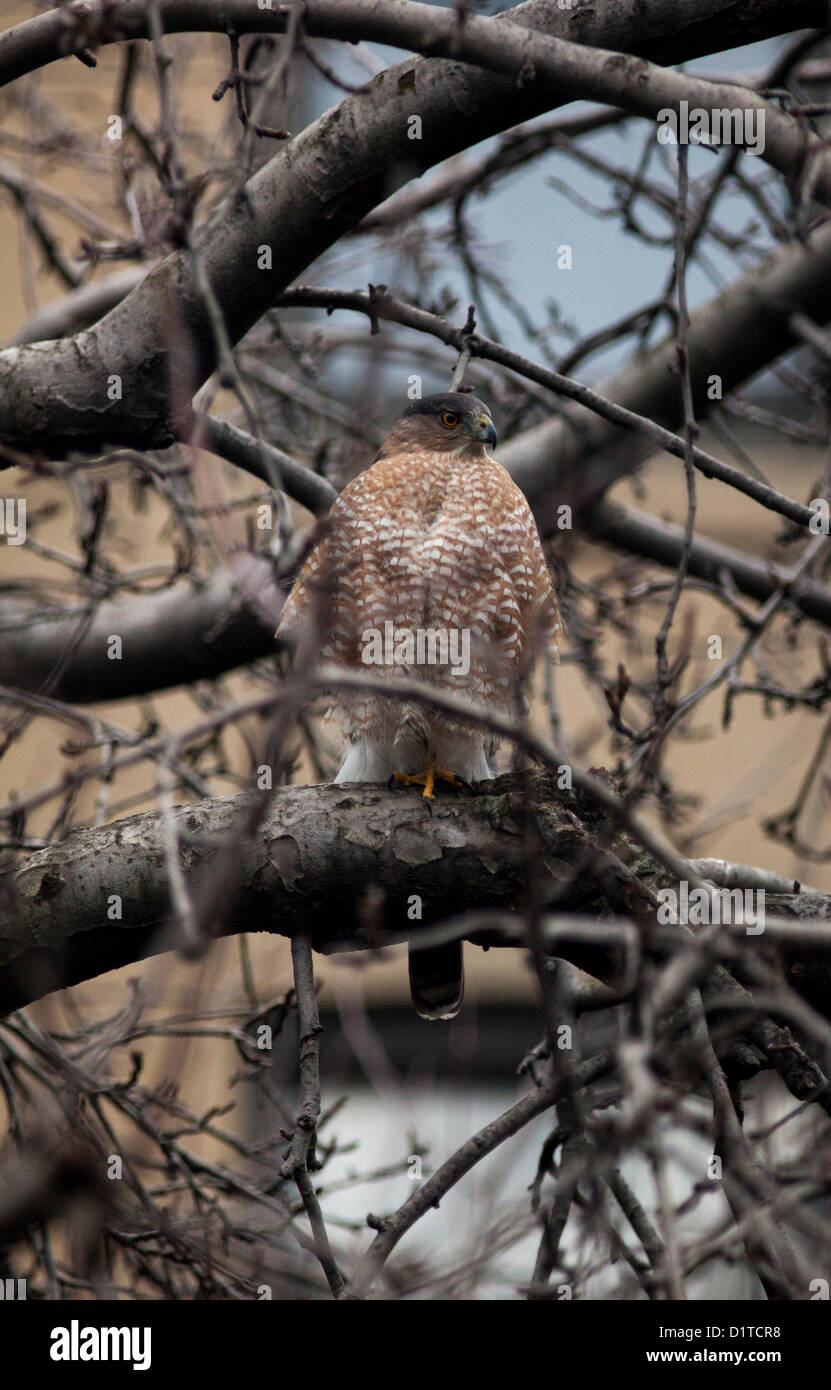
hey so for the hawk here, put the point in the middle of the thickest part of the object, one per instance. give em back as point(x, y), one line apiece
point(429, 566)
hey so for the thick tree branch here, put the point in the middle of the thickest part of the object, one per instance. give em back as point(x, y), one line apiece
point(316, 864)
point(186, 633)
point(732, 337)
point(50, 37)
point(629, 528)
point(160, 341)
point(78, 309)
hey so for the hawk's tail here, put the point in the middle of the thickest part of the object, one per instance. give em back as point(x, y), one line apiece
point(437, 979)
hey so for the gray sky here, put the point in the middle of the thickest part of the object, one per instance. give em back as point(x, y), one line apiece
point(522, 222)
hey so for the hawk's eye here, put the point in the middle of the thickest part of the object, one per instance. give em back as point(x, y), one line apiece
point(449, 419)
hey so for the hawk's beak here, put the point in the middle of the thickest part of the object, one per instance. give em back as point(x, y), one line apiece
point(485, 431)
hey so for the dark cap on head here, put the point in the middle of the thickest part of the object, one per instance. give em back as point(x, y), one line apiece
point(462, 402)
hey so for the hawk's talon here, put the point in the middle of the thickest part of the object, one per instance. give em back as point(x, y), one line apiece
point(426, 779)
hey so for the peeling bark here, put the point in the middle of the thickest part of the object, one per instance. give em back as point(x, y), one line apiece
point(341, 863)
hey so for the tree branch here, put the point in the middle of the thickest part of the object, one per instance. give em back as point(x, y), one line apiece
point(576, 456)
point(186, 633)
point(733, 336)
point(51, 37)
point(100, 899)
point(392, 1228)
point(54, 396)
point(629, 528)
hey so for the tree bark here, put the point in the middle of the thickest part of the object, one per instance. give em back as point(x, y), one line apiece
point(346, 864)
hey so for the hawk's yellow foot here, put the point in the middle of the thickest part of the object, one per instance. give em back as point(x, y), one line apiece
point(427, 779)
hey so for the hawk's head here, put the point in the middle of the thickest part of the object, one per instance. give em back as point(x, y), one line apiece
point(452, 423)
